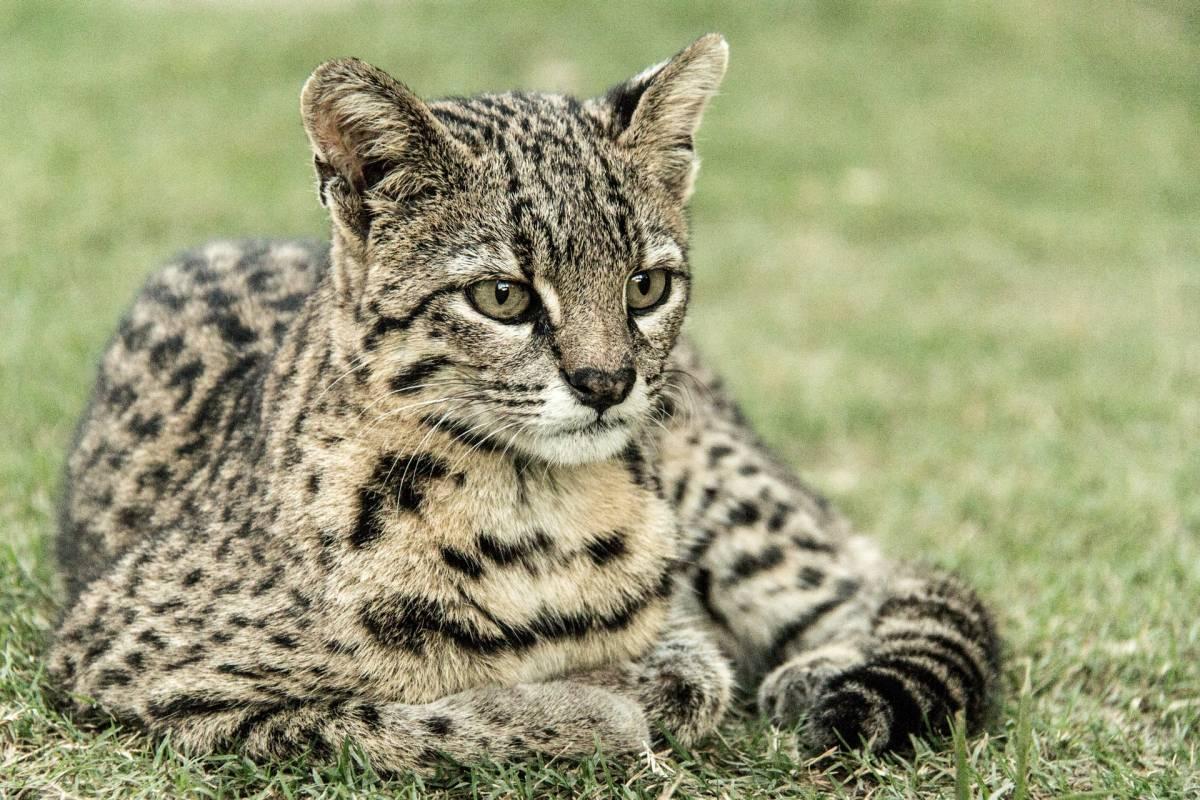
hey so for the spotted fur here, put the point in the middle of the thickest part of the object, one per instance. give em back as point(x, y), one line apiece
point(317, 495)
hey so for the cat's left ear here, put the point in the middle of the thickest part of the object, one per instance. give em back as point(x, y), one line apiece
point(656, 112)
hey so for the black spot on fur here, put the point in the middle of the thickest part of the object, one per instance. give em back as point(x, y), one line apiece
point(112, 677)
point(233, 330)
point(155, 478)
point(744, 514)
point(193, 577)
point(285, 640)
point(749, 564)
point(182, 707)
point(402, 621)
point(903, 709)
point(269, 582)
point(809, 543)
point(164, 296)
point(779, 517)
point(96, 650)
point(462, 562)
point(412, 377)
point(810, 577)
point(134, 337)
point(174, 604)
point(635, 462)
point(386, 325)
point(151, 638)
point(163, 353)
point(439, 725)
point(399, 481)
point(368, 714)
point(606, 548)
point(504, 553)
point(184, 379)
point(716, 453)
point(133, 517)
point(288, 303)
point(702, 588)
point(341, 648)
point(121, 396)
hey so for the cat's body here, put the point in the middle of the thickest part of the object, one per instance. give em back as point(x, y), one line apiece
point(320, 495)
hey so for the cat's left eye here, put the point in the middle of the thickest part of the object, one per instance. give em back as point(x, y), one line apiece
point(647, 289)
point(506, 301)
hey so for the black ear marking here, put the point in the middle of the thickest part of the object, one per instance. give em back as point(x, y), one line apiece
point(375, 171)
point(623, 99)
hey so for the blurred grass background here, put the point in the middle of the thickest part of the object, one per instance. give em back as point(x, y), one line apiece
point(948, 254)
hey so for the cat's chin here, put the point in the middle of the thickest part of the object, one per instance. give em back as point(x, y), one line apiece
point(577, 447)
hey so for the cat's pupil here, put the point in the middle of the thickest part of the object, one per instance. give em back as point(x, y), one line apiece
point(502, 290)
point(642, 282)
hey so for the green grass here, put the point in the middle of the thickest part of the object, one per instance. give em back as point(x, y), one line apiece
point(947, 252)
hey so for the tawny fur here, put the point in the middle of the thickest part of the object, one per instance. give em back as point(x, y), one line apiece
point(318, 495)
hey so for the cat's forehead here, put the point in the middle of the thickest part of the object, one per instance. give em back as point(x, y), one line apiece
point(542, 146)
point(552, 175)
point(529, 124)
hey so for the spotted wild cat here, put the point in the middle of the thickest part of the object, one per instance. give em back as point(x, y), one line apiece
point(452, 484)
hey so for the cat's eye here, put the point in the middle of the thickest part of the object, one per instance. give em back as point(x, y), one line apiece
point(507, 301)
point(647, 289)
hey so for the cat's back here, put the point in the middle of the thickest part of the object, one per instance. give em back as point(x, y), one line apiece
point(175, 381)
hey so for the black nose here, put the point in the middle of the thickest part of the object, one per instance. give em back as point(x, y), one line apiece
point(600, 389)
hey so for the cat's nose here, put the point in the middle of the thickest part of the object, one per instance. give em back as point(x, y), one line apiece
point(600, 389)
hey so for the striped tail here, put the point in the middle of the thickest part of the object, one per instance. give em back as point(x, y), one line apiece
point(934, 652)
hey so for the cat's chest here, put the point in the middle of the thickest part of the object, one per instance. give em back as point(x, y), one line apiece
point(499, 572)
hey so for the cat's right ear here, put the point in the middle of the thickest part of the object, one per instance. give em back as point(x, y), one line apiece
point(374, 142)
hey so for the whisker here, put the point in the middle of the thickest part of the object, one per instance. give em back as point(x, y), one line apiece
point(398, 411)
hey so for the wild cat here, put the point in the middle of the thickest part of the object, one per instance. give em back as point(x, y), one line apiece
point(454, 485)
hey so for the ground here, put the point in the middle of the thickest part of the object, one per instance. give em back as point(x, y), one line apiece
point(948, 254)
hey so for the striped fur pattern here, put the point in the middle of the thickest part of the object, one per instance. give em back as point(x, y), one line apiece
point(319, 494)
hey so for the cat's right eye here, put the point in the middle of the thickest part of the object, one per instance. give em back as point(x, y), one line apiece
point(506, 301)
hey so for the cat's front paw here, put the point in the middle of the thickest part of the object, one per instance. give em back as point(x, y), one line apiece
point(683, 684)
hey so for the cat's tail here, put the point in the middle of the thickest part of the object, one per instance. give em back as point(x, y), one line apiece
point(933, 651)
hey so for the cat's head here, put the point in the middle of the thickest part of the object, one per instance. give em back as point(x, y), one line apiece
point(512, 267)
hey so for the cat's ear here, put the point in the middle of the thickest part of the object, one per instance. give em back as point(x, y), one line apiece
point(658, 111)
point(373, 141)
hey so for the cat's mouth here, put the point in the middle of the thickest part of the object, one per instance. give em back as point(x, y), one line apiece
point(577, 441)
point(601, 424)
